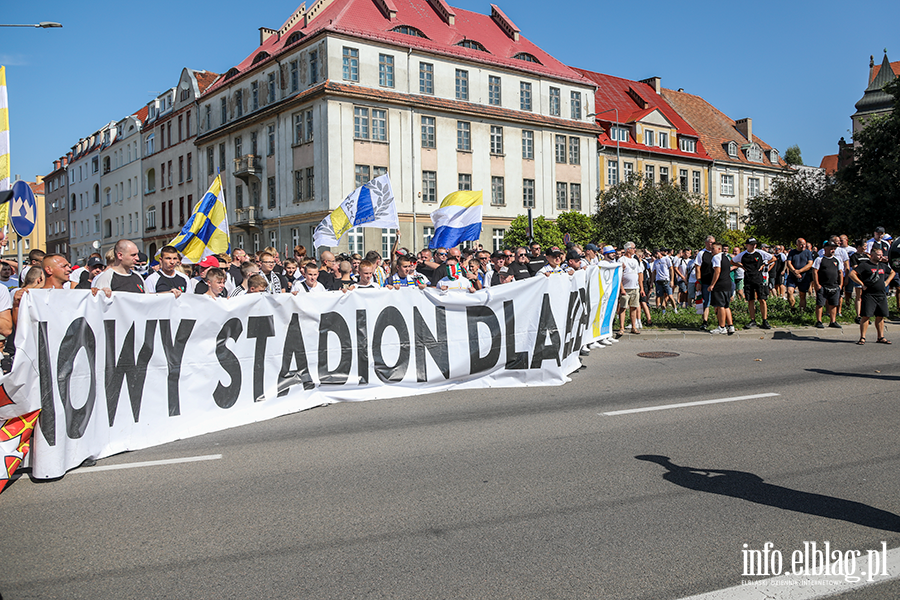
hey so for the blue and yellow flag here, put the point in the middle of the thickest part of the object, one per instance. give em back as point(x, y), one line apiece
point(206, 231)
point(5, 183)
point(371, 205)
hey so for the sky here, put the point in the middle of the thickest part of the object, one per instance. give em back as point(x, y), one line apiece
point(796, 69)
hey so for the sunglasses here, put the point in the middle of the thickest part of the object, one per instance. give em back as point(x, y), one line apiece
point(442, 254)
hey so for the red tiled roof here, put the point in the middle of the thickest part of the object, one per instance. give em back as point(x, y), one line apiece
point(205, 79)
point(141, 115)
point(37, 188)
point(895, 67)
point(830, 164)
point(716, 129)
point(363, 19)
point(613, 92)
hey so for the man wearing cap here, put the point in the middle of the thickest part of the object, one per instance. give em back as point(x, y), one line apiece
point(120, 276)
point(168, 279)
point(573, 260)
point(94, 267)
point(520, 268)
point(632, 283)
point(491, 274)
point(878, 241)
point(554, 262)
point(591, 254)
point(828, 277)
point(754, 263)
point(537, 260)
point(200, 283)
point(874, 275)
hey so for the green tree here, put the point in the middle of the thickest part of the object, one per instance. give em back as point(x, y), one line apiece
point(792, 155)
point(546, 233)
point(654, 216)
point(801, 205)
point(580, 227)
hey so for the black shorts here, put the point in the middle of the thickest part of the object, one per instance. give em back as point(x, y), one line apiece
point(756, 289)
point(801, 284)
point(830, 296)
point(874, 305)
point(720, 299)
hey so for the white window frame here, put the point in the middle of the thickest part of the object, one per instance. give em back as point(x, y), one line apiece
point(727, 185)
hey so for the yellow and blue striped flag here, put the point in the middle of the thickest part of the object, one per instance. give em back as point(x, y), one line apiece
point(457, 220)
point(4, 147)
point(206, 231)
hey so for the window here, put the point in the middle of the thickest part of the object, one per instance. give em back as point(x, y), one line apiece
point(497, 238)
point(464, 182)
point(464, 136)
point(497, 194)
point(379, 125)
point(663, 139)
point(618, 134)
point(298, 128)
point(95, 163)
point(273, 239)
point(687, 145)
point(648, 137)
point(732, 221)
point(462, 84)
point(650, 174)
point(298, 186)
point(363, 175)
point(295, 75)
point(727, 188)
point(378, 172)
point(351, 64)
point(555, 102)
point(254, 193)
point(428, 233)
point(494, 90)
point(388, 237)
point(385, 70)
point(190, 199)
point(683, 179)
point(753, 187)
point(426, 78)
point(256, 242)
point(223, 106)
point(562, 196)
point(271, 192)
point(695, 182)
point(150, 149)
point(180, 169)
point(525, 95)
point(151, 217)
point(528, 145)
point(664, 174)
point(190, 166)
point(309, 125)
point(238, 147)
point(527, 57)
point(221, 157)
point(254, 146)
point(295, 236)
point(528, 193)
point(108, 197)
point(561, 149)
point(238, 104)
point(162, 172)
point(239, 196)
point(409, 30)
point(576, 105)
point(429, 186)
point(574, 150)
point(428, 132)
point(271, 83)
point(355, 240)
point(773, 156)
point(496, 140)
point(310, 184)
point(211, 160)
point(361, 123)
point(575, 196)
point(732, 149)
point(313, 66)
point(754, 154)
point(612, 172)
point(151, 185)
point(180, 129)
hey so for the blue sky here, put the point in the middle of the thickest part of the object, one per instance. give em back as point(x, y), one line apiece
point(795, 68)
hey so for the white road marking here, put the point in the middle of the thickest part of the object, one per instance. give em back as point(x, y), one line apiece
point(149, 463)
point(684, 404)
point(803, 587)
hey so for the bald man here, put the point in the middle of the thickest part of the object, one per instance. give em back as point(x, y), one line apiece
point(120, 276)
point(56, 272)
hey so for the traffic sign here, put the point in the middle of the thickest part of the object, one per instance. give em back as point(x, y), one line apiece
point(22, 209)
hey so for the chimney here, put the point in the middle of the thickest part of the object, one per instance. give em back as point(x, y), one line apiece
point(745, 126)
point(265, 33)
point(654, 82)
point(502, 21)
point(56, 165)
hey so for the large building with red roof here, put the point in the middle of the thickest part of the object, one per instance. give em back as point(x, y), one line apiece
point(644, 136)
point(439, 98)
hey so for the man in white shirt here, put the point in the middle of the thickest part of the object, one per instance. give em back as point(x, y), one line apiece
point(310, 281)
point(554, 263)
point(455, 277)
point(168, 279)
point(632, 283)
point(663, 275)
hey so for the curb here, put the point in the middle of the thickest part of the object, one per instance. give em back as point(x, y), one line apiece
point(774, 333)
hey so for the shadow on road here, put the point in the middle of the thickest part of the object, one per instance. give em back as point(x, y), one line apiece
point(787, 335)
point(863, 375)
point(747, 486)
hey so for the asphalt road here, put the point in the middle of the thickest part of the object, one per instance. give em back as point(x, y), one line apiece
point(501, 493)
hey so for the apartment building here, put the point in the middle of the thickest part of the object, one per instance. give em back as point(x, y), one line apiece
point(84, 194)
point(56, 194)
point(120, 178)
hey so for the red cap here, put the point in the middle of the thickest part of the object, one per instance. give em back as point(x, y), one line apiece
point(209, 261)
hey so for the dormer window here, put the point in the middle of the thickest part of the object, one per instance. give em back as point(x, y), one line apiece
point(618, 133)
point(773, 156)
point(732, 149)
point(754, 154)
point(294, 38)
point(527, 57)
point(408, 30)
point(687, 145)
point(260, 57)
point(473, 45)
point(231, 72)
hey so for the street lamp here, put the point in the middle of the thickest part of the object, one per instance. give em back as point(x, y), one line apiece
point(42, 25)
point(617, 147)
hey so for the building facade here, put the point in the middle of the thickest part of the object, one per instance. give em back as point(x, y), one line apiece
point(441, 99)
point(84, 194)
point(120, 177)
point(743, 165)
point(56, 194)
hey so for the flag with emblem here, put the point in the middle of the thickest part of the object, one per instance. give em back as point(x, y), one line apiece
point(206, 231)
point(371, 205)
point(15, 440)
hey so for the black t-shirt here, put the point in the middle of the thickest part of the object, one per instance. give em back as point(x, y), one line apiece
point(163, 283)
point(752, 263)
point(829, 271)
point(706, 268)
point(800, 258)
point(202, 288)
point(873, 275)
point(856, 257)
point(536, 263)
point(235, 271)
point(328, 280)
point(127, 283)
point(520, 270)
point(723, 283)
point(426, 272)
point(438, 274)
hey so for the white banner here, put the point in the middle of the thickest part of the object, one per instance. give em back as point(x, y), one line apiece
point(133, 371)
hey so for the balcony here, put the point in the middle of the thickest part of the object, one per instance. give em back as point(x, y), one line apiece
point(247, 218)
point(247, 167)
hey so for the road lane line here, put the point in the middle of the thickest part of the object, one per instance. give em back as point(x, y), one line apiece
point(149, 463)
point(685, 404)
point(790, 587)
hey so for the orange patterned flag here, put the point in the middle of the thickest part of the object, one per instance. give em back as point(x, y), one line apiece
point(15, 440)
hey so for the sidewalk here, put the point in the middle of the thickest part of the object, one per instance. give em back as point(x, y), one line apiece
point(849, 332)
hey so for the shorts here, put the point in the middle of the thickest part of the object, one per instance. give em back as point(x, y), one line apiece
point(830, 296)
point(738, 284)
point(663, 288)
point(682, 287)
point(630, 299)
point(754, 290)
point(802, 284)
point(720, 299)
point(874, 305)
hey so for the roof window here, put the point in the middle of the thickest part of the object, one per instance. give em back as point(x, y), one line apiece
point(527, 57)
point(409, 30)
point(473, 45)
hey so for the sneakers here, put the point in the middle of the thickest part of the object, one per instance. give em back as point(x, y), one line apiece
point(819, 325)
point(765, 324)
point(835, 325)
point(704, 325)
point(607, 341)
point(584, 351)
point(857, 320)
point(751, 325)
point(730, 329)
point(613, 340)
point(719, 331)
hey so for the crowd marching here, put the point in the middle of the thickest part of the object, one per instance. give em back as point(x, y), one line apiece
point(837, 273)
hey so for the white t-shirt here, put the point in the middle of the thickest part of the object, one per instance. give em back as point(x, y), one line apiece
point(717, 261)
point(631, 268)
point(661, 267)
point(692, 272)
point(300, 286)
point(462, 283)
point(5, 301)
point(548, 269)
